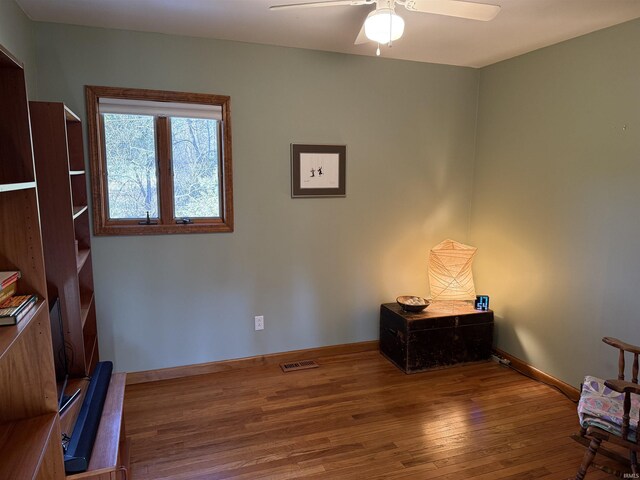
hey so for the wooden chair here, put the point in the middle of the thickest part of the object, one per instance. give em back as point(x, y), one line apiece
point(608, 412)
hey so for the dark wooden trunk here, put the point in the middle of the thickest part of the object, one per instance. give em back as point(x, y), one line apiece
point(440, 336)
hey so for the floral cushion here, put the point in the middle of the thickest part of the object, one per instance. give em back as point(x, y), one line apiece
point(602, 407)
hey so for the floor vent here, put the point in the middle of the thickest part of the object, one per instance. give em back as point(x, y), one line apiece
point(301, 365)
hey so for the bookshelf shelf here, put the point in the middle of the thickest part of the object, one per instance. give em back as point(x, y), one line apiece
point(69, 115)
point(77, 211)
point(82, 258)
point(84, 310)
point(11, 187)
point(8, 335)
point(18, 441)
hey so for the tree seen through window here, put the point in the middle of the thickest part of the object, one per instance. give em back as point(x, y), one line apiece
point(195, 167)
point(132, 166)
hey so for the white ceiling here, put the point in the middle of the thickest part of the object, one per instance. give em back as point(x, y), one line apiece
point(520, 27)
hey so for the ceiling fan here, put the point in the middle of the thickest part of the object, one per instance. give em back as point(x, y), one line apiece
point(383, 25)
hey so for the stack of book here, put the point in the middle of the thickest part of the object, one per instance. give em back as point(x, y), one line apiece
point(13, 308)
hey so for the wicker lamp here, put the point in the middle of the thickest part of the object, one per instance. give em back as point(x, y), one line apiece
point(450, 276)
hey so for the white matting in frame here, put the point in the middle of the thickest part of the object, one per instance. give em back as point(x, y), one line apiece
point(319, 170)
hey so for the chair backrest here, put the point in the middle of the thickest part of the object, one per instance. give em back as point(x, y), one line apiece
point(625, 347)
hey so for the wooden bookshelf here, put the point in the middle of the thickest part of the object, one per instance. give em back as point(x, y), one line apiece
point(29, 422)
point(59, 157)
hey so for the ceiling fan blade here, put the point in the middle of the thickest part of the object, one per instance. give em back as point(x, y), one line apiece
point(334, 3)
point(455, 8)
point(361, 38)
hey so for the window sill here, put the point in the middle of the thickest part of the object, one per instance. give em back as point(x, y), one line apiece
point(174, 229)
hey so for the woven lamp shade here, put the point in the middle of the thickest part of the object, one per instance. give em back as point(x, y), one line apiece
point(450, 276)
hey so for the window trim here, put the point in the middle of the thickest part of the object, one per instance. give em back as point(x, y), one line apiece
point(102, 224)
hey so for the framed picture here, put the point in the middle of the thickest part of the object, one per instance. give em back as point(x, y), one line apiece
point(318, 170)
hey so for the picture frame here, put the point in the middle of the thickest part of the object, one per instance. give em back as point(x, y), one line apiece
point(318, 170)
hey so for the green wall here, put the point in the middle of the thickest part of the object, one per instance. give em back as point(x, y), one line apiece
point(317, 269)
point(17, 34)
point(547, 192)
point(555, 209)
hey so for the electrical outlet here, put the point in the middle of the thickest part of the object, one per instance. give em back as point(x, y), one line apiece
point(259, 322)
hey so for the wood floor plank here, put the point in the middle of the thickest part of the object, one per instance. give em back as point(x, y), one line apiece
point(357, 416)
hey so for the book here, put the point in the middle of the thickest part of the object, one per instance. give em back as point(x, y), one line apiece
point(13, 309)
point(8, 291)
point(15, 319)
point(7, 278)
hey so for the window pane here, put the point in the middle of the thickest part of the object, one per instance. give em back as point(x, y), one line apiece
point(131, 165)
point(195, 167)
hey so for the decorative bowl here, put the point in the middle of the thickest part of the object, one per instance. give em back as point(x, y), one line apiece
point(410, 303)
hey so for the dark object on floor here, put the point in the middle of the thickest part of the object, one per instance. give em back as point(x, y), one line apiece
point(606, 410)
point(449, 333)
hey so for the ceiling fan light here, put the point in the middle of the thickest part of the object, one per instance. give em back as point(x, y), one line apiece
point(383, 26)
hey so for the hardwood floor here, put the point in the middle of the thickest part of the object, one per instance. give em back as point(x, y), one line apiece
point(355, 417)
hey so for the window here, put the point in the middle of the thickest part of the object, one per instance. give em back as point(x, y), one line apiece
point(160, 161)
